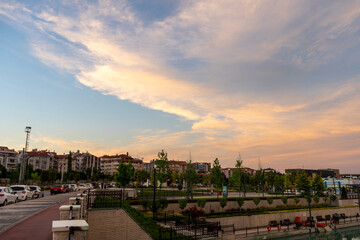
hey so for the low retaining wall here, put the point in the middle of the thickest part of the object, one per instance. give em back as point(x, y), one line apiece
point(248, 204)
point(113, 224)
point(264, 219)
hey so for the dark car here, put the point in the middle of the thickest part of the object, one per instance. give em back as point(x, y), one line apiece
point(57, 189)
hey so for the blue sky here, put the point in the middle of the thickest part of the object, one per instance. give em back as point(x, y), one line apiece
point(275, 80)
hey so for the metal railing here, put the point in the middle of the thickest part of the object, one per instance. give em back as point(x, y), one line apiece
point(148, 193)
point(191, 231)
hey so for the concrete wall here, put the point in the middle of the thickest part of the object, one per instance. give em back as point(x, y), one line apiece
point(248, 204)
point(264, 219)
point(113, 224)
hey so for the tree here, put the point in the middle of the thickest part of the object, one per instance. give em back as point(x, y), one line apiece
point(237, 177)
point(124, 174)
point(279, 182)
point(142, 176)
point(44, 176)
point(35, 176)
point(317, 185)
point(69, 166)
point(163, 172)
point(190, 177)
point(217, 177)
point(303, 181)
point(3, 171)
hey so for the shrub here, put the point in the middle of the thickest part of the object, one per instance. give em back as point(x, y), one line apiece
point(333, 198)
point(316, 199)
point(270, 200)
point(223, 202)
point(180, 187)
point(284, 200)
point(256, 201)
point(240, 201)
point(195, 213)
point(182, 203)
point(296, 200)
point(145, 203)
point(325, 198)
point(201, 202)
point(163, 203)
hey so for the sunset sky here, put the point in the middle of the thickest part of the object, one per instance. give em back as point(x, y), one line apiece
point(277, 81)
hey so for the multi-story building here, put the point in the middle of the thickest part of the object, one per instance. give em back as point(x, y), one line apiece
point(109, 164)
point(311, 172)
point(9, 158)
point(177, 166)
point(83, 161)
point(202, 167)
point(248, 170)
point(62, 162)
point(42, 159)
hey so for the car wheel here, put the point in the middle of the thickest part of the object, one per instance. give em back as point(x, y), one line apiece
point(5, 202)
point(16, 200)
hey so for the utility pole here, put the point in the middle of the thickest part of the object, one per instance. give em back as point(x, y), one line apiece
point(23, 165)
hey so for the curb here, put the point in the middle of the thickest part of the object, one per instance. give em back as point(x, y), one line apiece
point(25, 218)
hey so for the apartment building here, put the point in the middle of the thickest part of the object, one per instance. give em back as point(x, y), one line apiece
point(202, 167)
point(9, 158)
point(42, 159)
point(177, 166)
point(109, 164)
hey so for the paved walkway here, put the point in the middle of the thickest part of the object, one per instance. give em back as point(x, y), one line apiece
point(38, 226)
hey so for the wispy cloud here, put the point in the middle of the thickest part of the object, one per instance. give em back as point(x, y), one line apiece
point(232, 47)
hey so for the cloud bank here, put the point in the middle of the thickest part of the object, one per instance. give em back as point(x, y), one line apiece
point(256, 77)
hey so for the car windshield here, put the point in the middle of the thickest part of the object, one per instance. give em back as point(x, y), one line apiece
point(32, 188)
point(18, 188)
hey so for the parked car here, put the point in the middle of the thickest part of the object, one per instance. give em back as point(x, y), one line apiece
point(57, 189)
point(23, 191)
point(89, 186)
point(36, 191)
point(73, 187)
point(67, 188)
point(7, 195)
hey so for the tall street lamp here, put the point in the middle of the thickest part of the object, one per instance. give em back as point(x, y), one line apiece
point(154, 205)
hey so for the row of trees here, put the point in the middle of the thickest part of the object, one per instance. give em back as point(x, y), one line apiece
point(51, 176)
point(243, 182)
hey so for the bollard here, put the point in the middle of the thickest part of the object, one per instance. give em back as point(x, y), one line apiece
point(70, 229)
point(70, 212)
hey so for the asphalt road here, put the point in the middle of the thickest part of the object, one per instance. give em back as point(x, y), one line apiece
point(13, 213)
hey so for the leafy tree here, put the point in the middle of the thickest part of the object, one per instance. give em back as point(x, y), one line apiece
point(44, 176)
point(303, 181)
point(3, 171)
point(52, 175)
point(217, 177)
point(163, 172)
point(237, 177)
point(142, 176)
point(317, 185)
point(69, 166)
point(279, 183)
point(190, 178)
point(145, 203)
point(124, 174)
point(77, 177)
point(35, 176)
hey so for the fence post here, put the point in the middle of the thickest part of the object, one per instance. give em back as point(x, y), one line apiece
point(171, 232)
point(246, 231)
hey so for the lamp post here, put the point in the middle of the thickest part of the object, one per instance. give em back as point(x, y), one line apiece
point(309, 203)
point(154, 205)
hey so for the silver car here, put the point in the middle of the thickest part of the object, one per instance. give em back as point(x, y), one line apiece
point(36, 190)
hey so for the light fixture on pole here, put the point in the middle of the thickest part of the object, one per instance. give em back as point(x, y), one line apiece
point(154, 197)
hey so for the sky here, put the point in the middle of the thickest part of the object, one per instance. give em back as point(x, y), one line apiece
point(274, 81)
